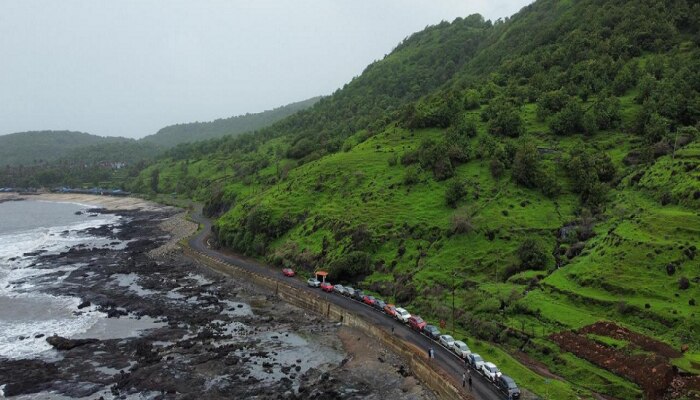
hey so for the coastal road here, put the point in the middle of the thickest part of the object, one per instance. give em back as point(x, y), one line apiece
point(445, 359)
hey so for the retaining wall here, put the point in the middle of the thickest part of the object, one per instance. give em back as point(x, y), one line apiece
point(439, 382)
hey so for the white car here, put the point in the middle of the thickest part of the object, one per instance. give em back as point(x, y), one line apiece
point(475, 361)
point(491, 371)
point(447, 341)
point(402, 315)
point(313, 282)
point(338, 289)
point(461, 349)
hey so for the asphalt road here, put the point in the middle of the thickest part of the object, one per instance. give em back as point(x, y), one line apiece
point(445, 359)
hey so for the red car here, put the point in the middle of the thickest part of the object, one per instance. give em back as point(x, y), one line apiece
point(416, 323)
point(369, 300)
point(288, 272)
point(390, 310)
point(327, 287)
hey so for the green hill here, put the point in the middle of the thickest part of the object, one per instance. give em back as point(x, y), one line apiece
point(541, 173)
point(173, 135)
point(29, 148)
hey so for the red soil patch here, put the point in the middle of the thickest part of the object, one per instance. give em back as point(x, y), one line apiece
point(645, 342)
point(652, 372)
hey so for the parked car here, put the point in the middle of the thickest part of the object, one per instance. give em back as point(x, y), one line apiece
point(490, 371)
point(288, 272)
point(447, 341)
point(475, 361)
point(358, 295)
point(507, 386)
point(327, 287)
point(348, 291)
point(313, 282)
point(339, 289)
point(390, 310)
point(369, 300)
point(416, 323)
point(432, 332)
point(379, 304)
point(461, 349)
point(402, 315)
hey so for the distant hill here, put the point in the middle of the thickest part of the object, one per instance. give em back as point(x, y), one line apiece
point(171, 136)
point(30, 148)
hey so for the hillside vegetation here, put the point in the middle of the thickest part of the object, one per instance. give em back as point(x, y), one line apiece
point(30, 148)
point(541, 173)
point(173, 135)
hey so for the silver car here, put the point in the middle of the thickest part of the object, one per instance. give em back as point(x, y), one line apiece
point(447, 341)
point(313, 282)
point(338, 289)
point(348, 291)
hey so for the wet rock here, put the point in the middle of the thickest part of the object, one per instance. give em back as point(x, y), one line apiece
point(61, 343)
point(84, 304)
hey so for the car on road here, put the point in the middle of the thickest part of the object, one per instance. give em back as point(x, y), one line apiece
point(358, 295)
point(447, 341)
point(379, 304)
point(313, 282)
point(390, 310)
point(432, 332)
point(369, 300)
point(475, 361)
point(461, 349)
point(348, 291)
point(490, 371)
point(507, 386)
point(416, 323)
point(402, 315)
point(338, 289)
point(327, 287)
point(288, 272)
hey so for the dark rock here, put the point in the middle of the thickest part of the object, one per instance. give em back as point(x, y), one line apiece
point(61, 343)
point(84, 304)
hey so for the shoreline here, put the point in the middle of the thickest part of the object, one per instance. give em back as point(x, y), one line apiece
point(215, 335)
point(111, 203)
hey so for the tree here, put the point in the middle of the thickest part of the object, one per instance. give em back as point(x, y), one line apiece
point(155, 179)
point(503, 118)
point(569, 120)
point(472, 99)
point(526, 164)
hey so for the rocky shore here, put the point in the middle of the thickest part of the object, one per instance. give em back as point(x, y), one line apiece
point(176, 330)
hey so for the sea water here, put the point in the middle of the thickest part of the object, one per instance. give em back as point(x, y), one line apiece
point(25, 310)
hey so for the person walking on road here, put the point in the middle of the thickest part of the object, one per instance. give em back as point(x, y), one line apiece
point(432, 353)
point(470, 381)
point(464, 380)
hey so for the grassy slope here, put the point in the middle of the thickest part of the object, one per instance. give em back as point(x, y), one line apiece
point(621, 270)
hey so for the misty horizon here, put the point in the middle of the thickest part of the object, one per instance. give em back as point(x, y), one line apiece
point(111, 70)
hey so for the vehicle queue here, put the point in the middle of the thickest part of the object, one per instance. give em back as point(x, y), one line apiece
point(503, 383)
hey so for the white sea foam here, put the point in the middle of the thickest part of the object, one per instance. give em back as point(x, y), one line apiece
point(25, 312)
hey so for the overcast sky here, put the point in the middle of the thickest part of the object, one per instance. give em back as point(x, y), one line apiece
point(129, 68)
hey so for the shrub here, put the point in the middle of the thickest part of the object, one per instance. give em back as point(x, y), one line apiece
point(393, 160)
point(683, 283)
point(496, 167)
point(411, 176)
point(504, 119)
point(352, 266)
point(532, 255)
point(409, 157)
point(461, 223)
point(455, 192)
